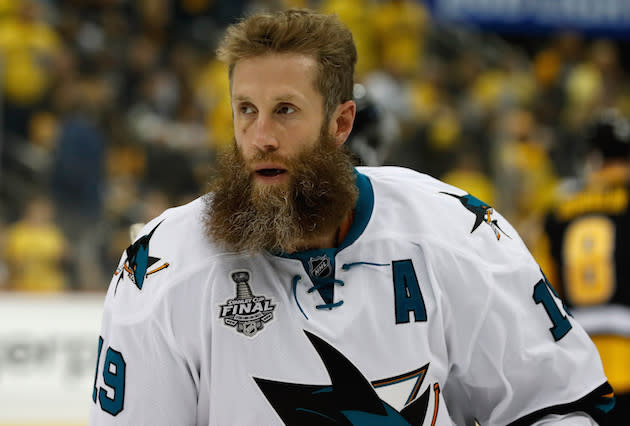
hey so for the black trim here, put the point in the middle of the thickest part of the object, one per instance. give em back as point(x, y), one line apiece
point(587, 404)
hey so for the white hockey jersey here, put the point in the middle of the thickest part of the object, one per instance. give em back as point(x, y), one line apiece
point(431, 312)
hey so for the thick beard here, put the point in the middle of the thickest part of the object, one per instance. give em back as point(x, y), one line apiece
point(243, 216)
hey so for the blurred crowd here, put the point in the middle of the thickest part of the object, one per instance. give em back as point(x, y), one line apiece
point(114, 110)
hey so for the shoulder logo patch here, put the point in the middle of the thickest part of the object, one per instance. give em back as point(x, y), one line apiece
point(247, 312)
point(482, 211)
point(138, 261)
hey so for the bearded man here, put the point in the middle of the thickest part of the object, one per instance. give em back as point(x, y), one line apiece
point(304, 291)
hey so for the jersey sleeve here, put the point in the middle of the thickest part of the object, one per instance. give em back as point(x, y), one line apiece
point(572, 419)
point(516, 354)
point(142, 377)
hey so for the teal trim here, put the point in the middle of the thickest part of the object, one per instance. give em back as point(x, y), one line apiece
point(608, 406)
point(363, 210)
point(98, 360)
point(364, 418)
point(317, 413)
point(327, 389)
point(347, 266)
point(329, 306)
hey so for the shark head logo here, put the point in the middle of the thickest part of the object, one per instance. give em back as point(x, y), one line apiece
point(482, 211)
point(138, 260)
point(349, 400)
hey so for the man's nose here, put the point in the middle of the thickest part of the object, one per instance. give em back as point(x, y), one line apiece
point(264, 136)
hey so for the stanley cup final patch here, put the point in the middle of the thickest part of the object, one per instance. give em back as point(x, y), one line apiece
point(246, 312)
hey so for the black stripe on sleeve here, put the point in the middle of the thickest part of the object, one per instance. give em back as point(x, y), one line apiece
point(596, 404)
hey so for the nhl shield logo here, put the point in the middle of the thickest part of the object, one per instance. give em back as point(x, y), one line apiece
point(246, 312)
point(320, 266)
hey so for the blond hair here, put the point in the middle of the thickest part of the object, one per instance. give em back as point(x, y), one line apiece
point(301, 31)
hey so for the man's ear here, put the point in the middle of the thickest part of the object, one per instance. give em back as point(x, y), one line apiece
point(342, 121)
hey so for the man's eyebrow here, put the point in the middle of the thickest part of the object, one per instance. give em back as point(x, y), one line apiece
point(241, 98)
point(285, 98)
point(280, 98)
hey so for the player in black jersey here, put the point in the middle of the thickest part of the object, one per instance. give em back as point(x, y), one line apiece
point(589, 236)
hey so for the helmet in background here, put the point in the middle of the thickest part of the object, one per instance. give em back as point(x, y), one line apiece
point(609, 134)
point(374, 131)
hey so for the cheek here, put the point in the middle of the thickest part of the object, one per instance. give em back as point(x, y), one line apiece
point(240, 147)
point(238, 127)
point(241, 127)
point(242, 144)
point(305, 136)
point(311, 141)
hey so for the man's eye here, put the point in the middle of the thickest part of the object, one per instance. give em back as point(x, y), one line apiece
point(286, 109)
point(246, 109)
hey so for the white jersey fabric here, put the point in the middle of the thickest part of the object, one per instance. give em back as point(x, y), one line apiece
point(431, 312)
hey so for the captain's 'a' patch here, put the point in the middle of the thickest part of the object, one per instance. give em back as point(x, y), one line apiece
point(482, 211)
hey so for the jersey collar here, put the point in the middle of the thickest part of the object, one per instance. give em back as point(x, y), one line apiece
point(363, 210)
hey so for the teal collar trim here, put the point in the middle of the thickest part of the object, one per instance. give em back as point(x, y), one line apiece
point(362, 214)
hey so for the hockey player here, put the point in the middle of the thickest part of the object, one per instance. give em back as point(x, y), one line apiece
point(303, 291)
point(588, 234)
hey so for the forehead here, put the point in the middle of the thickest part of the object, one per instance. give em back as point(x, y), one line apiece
point(275, 74)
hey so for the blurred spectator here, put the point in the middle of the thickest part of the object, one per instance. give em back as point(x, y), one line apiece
point(4, 268)
point(28, 49)
point(469, 176)
point(525, 172)
point(357, 15)
point(78, 177)
point(212, 89)
point(399, 27)
point(79, 159)
point(140, 57)
point(35, 250)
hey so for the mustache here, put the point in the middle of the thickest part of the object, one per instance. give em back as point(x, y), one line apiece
point(271, 157)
